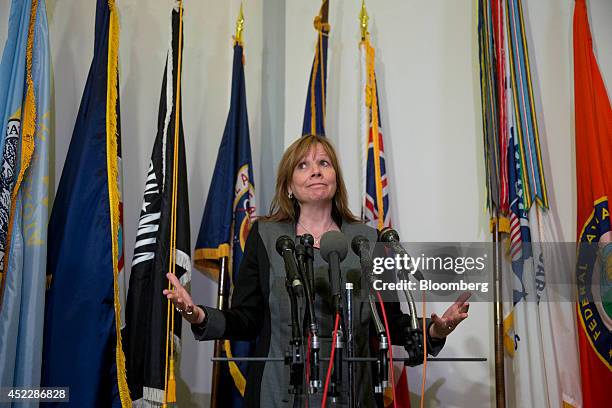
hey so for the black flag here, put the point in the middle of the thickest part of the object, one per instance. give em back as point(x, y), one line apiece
point(148, 357)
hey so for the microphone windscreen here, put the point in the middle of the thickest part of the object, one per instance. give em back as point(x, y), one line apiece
point(333, 241)
point(356, 243)
point(388, 234)
point(283, 243)
point(308, 239)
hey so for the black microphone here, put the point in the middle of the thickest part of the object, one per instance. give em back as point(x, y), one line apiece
point(413, 335)
point(333, 250)
point(308, 241)
point(361, 247)
point(390, 236)
point(285, 248)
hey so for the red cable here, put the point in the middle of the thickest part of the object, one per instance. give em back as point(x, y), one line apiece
point(331, 360)
point(382, 306)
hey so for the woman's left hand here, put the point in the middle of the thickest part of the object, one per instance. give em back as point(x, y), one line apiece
point(455, 314)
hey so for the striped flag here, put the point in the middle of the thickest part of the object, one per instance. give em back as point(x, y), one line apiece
point(314, 114)
point(228, 216)
point(375, 207)
point(153, 326)
point(594, 185)
point(539, 339)
point(375, 210)
point(23, 277)
point(82, 339)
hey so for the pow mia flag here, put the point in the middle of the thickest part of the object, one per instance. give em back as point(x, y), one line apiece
point(146, 312)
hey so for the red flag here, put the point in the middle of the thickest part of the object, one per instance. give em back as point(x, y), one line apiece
point(594, 185)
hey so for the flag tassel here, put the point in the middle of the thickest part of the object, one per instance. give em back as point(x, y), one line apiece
point(171, 395)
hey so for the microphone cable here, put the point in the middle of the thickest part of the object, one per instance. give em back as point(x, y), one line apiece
point(382, 307)
point(331, 360)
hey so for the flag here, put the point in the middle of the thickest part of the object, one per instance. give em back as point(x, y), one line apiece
point(375, 210)
point(228, 216)
point(594, 185)
point(12, 92)
point(22, 307)
point(490, 102)
point(375, 207)
point(314, 114)
point(541, 352)
point(82, 340)
point(152, 332)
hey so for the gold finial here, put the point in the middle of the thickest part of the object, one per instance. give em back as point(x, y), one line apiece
point(239, 26)
point(363, 18)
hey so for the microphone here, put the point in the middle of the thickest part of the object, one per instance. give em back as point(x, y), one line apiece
point(333, 250)
point(304, 265)
point(414, 337)
point(308, 241)
point(285, 248)
point(361, 247)
point(390, 236)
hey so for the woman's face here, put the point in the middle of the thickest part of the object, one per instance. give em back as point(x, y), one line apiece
point(314, 177)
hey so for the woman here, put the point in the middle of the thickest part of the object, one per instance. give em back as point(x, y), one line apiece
point(311, 199)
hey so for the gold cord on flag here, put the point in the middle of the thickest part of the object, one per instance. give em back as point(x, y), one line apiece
point(113, 188)
point(169, 377)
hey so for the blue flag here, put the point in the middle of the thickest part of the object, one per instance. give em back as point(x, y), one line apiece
point(314, 114)
point(22, 308)
point(12, 92)
point(227, 219)
point(82, 343)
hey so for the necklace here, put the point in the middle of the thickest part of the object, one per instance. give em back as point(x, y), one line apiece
point(317, 238)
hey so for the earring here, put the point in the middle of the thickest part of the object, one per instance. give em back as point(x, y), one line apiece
point(290, 195)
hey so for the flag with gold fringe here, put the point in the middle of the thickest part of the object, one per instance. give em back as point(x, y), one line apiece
point(228, 216)
point(24, 213)
point(316, 94)
point(82, 338)
point(375, 207)
point(540, 348)
point(163, 244)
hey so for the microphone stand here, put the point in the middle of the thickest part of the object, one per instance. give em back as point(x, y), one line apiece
point(350, 344)
point(361, 247)
point(382, 361)
point(301, 254)
point(415, 341)
point(294, 356)
point(336, 377)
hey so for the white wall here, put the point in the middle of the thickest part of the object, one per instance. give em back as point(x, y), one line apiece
point(427, 66)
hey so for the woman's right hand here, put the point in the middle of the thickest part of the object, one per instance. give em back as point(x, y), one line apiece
point(182, 301)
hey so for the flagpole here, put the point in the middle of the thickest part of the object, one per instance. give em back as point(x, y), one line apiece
point(500, 383)
point(221, 305)
point(222, 296)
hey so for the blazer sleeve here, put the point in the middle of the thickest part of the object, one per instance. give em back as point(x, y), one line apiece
point(243, 320)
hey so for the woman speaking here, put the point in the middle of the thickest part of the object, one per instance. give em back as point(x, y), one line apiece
point(310, 198)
